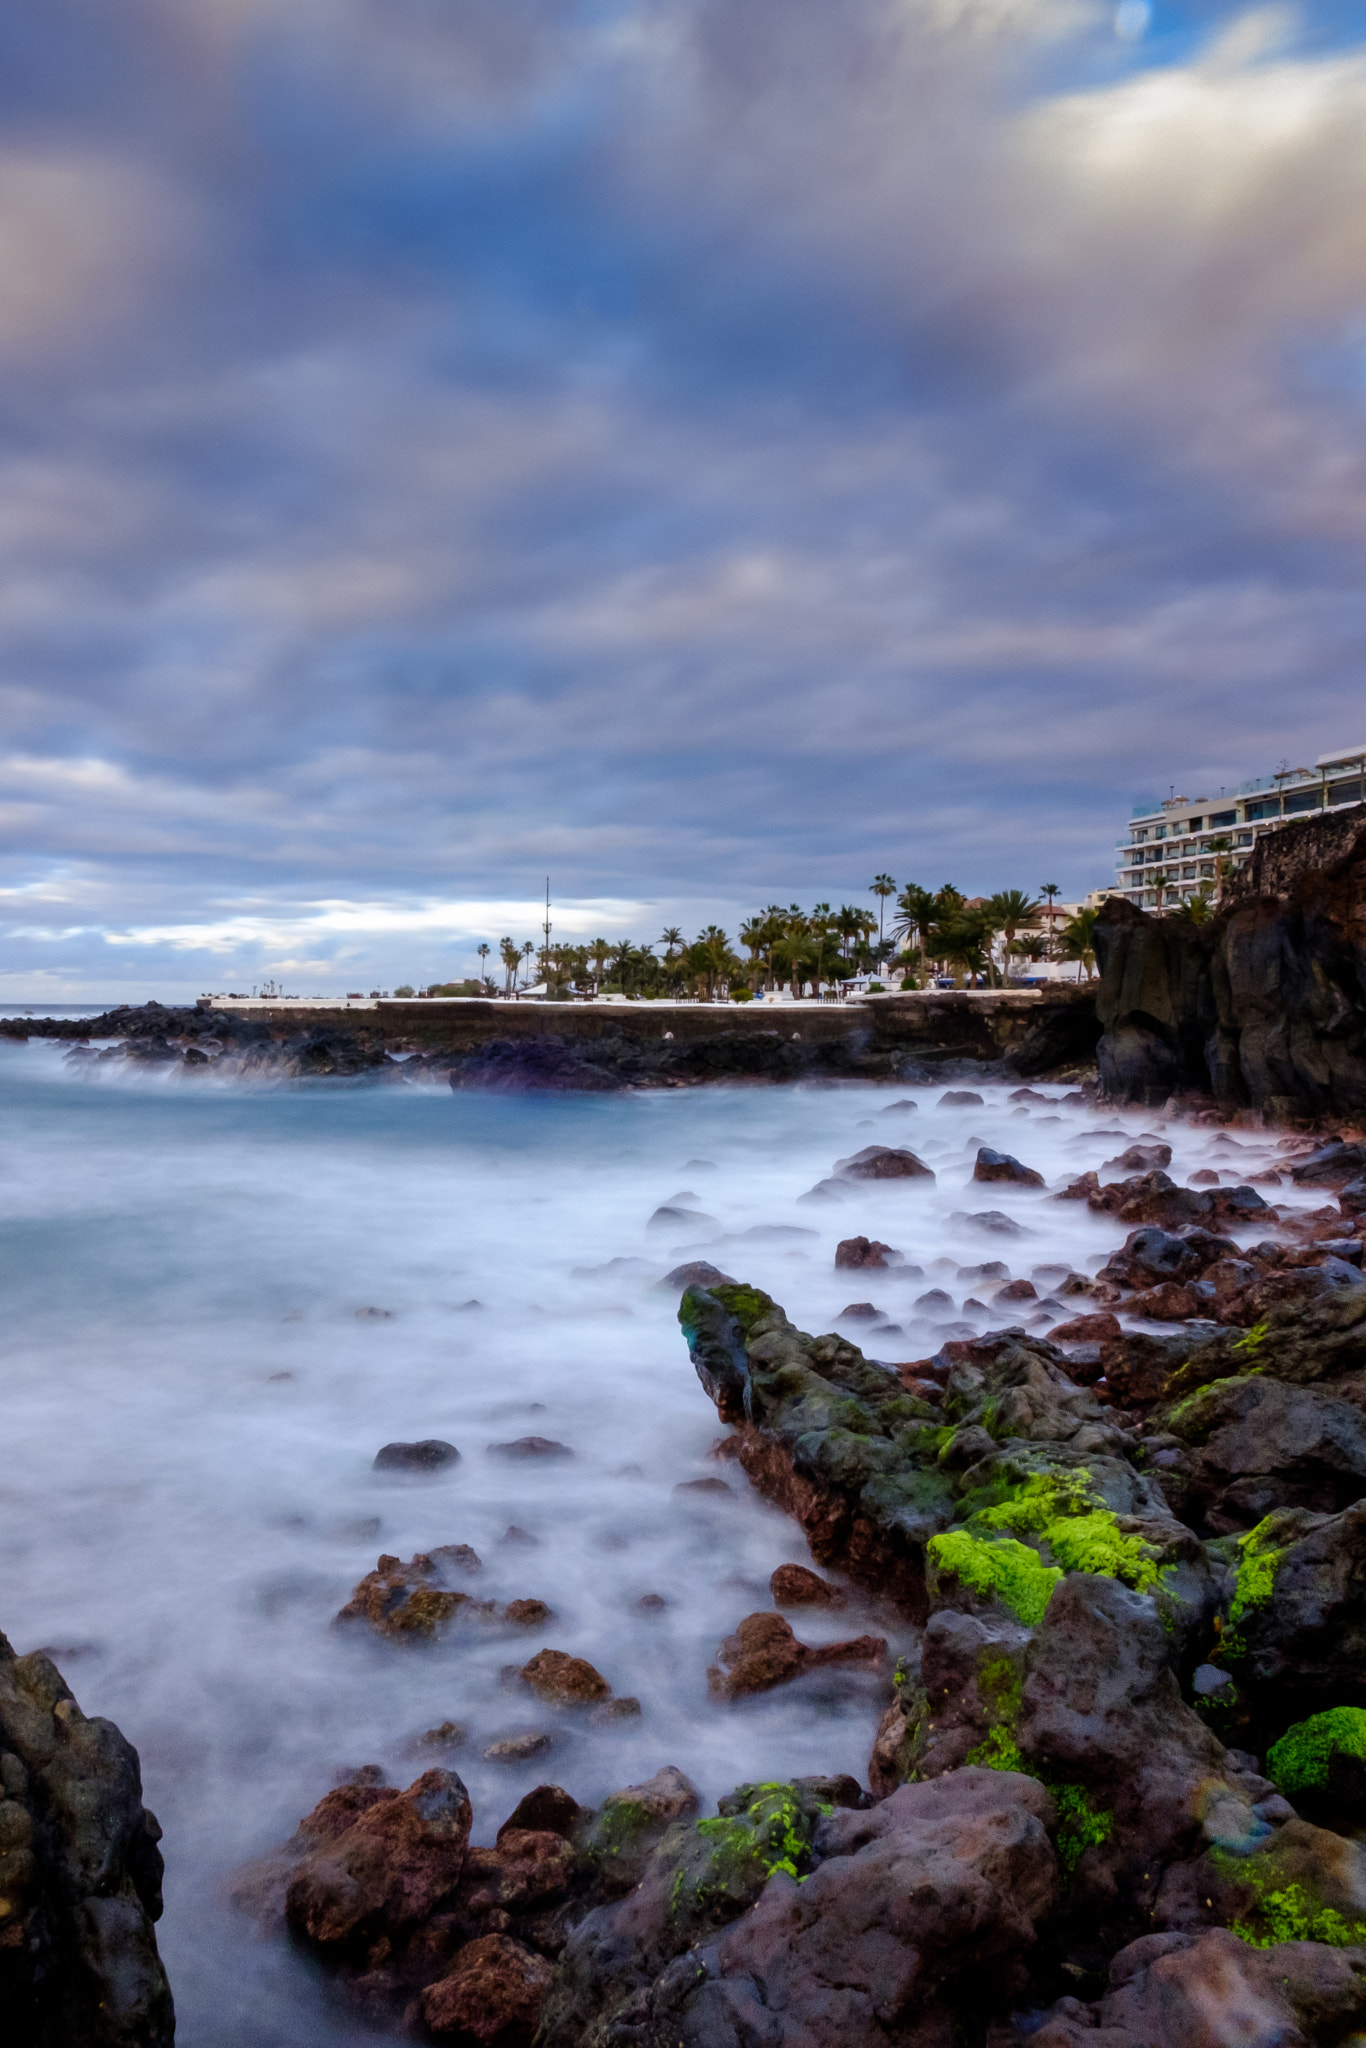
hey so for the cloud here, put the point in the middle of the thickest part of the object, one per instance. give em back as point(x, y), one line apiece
point(714, 453)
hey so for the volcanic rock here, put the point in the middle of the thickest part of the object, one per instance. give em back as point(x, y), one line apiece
point(493, 1995)
point(882, 1162)
point(80, 1874)
point(431, 1455)
point(992, 1165)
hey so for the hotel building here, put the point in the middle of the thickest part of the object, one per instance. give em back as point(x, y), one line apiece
point(1174, 849)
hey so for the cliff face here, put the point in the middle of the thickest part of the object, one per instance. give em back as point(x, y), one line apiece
point(1264, 1005)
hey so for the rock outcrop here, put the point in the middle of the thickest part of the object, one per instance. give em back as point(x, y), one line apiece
point(80, 1874)
point(1264, 1004)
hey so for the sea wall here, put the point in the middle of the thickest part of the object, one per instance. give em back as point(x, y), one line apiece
point(1264, 1005)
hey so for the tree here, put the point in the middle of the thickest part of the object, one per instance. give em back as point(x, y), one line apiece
point(1159, 881)
point(510, 955)
point(599, 953)
point(958, 941)
point(1010, 908)
point(1049, 890)
point(1079, 940)
point(1196, 909)
point(528, 953)
point(881, 886)
point(1220, 848)
point(915, 909)
point(483, 950)
point(793, 951)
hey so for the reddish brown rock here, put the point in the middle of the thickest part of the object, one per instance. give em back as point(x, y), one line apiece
point(792, 1585)
point(564, 1681)
point(493, 1995)
point(529, 1866)
point(1092, 1329)
point(528, 1613)
point(857, 1254)
point(1016, 1290)
point(763, 1653)
point(548, 1809)
point(388, 1869)
point(1166, 1303)
point(400, 1599)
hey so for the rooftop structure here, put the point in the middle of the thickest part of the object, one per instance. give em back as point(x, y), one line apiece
point(1184, 846)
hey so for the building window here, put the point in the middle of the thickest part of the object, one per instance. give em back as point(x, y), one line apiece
point(1268, 807)
point(1218, 819)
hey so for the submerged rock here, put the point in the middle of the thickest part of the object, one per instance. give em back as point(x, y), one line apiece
point(764, 1652)
point(883, 1162)
point(431, 1455)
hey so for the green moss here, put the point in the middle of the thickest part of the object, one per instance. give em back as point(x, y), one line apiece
point(1001, 1568)
point(999, 1752)
point(1291, 1914)
point(1302, 1759)
point(1259, 1557)
point(746, 1304)
point(1253, 1341)
point(620, 1827)
point(742, 1851)
point(1081, 1826)
point(1083, 1535)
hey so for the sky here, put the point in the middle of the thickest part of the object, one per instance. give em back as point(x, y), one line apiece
point(709, 452)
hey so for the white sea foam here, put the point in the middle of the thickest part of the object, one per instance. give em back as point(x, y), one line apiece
point(192, 1401)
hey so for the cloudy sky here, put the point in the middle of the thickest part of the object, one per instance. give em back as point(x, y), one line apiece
point(707, 450)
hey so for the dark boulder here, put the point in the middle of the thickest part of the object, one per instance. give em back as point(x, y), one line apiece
point(430, 1455)
point(886, 1940)
point(80, 1874)
point(1258, 1444)
point(882, 1162)
point(992, 1165)
point(1295, 1639)
point(860, 1254)
point(1212, 1990)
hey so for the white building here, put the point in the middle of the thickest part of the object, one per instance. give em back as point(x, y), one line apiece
point(1174, 848)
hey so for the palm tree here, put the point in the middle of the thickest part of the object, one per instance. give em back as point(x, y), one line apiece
point(1196, 909)
point(598, 953)
point(915, 907)
point(509, 954)
point(528, 952)
point(1220, 848)
point(1010, 908)
point(1079, 940)
point(483, 952)
point(1050, 891)
point(794, 951)
point(1160, 881)
point(958, 941)
point(881, 886)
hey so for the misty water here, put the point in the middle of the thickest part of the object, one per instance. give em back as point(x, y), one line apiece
point(220, 1302)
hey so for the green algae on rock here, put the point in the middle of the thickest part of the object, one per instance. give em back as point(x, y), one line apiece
point(1321, 1764)
point(1020, 1477)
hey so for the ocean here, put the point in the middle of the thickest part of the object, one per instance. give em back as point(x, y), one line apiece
point(221, 1301)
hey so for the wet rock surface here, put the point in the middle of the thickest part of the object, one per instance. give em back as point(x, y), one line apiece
point(80, 1874)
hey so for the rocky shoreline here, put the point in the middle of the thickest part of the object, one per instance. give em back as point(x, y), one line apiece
point(1122, 1763)
point(523, 1047)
